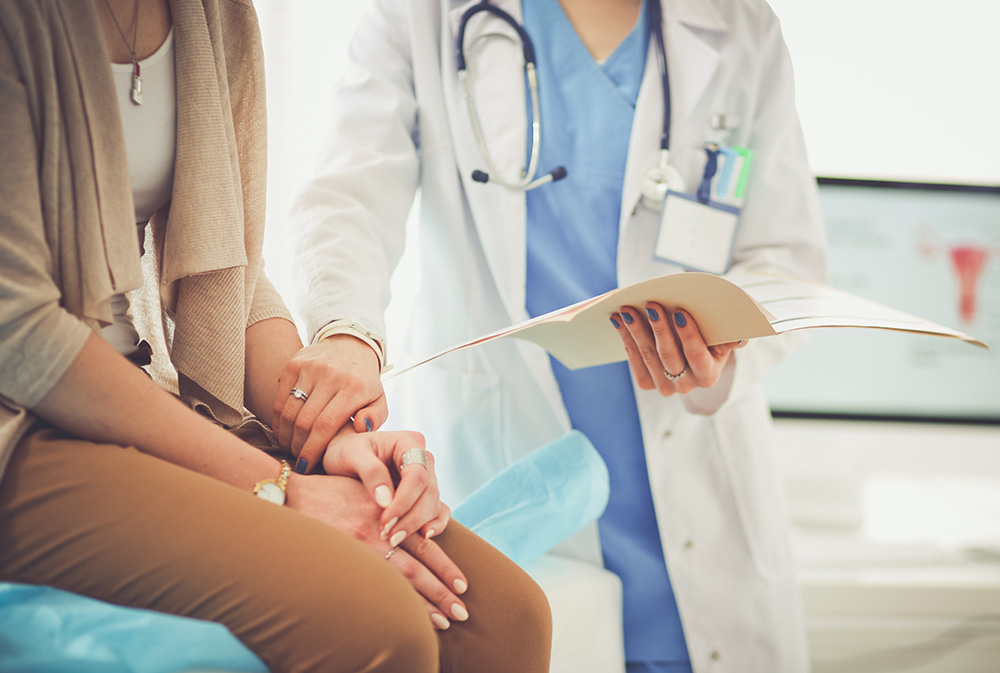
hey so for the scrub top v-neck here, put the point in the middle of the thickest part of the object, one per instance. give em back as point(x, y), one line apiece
point(572, 241)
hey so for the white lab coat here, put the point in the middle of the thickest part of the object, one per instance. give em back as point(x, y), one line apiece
point(400, 125)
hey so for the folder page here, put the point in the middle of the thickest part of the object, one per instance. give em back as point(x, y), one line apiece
point(743, 305)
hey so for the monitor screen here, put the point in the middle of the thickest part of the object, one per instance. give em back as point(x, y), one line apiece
point(928, 249)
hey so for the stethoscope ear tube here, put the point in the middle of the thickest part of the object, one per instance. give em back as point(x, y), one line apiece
point(657, 180)
point(526, 45)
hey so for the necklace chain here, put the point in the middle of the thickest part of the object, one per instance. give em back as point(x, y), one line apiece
point(135, 28)
point(135, 95)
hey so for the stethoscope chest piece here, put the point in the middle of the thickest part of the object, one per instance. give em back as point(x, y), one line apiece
point(657, 182)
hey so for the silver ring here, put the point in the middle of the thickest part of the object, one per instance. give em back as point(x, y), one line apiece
point(414, 457)
point(675, 377)
point(298, 394)
point(388, 554)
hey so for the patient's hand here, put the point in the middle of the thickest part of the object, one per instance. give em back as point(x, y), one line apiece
point(345, 504)
point(340, 376)
point(666, 350)
point(414, 505)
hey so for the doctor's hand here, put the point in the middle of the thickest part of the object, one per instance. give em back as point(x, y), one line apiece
point(398, 474)
point(342, 502)
point(321, 388)
point(667, 352)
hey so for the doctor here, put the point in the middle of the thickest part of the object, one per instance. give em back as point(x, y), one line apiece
point(633, 98)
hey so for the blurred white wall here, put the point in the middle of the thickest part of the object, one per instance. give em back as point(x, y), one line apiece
point(305, 44)
point(898, 89)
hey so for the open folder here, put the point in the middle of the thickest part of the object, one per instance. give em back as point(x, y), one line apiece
point(745, 305)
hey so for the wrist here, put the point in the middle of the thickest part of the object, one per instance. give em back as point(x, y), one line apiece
point(274, 489)
point(348, 345)
point(360, 329)
point(293, 489)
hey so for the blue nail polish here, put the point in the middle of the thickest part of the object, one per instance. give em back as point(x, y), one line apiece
point(653, 315)
point(368, 424)
point(615, 323)
point(627, 317)
point(302, 466)
point(680, 319)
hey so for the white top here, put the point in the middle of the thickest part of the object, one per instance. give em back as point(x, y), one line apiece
point(150, 143)
point(150, 129)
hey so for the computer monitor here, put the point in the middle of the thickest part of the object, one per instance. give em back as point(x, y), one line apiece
point(928, 249)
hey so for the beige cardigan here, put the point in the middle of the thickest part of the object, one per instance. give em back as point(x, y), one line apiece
point(67, 236)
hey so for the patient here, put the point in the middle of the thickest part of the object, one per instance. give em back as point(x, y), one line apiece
point(117, 112)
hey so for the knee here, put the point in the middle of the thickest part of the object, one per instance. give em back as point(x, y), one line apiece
point(530, 624)
point(404, 642)
point(330, 632)
point(509, 630)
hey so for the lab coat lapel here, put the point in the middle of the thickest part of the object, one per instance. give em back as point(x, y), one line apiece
point(497, 83)
point(691, 63)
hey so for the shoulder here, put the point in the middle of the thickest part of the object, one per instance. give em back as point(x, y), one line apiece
point(737, 17)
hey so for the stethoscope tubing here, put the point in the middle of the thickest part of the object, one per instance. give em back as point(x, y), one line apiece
point(656, 19)
point(528, 180)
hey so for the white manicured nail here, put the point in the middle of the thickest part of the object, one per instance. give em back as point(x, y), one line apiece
point(460, 586)
point(398, 538)
point(382, 496)
point(429, 534)
point(459, 613)
point(388, 527)
point(440, 621)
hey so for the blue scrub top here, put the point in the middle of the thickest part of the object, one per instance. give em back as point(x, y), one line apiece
point(572, 242)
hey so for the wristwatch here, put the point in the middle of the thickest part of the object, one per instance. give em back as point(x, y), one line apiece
point(273, 490)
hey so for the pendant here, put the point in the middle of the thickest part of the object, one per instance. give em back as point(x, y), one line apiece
point(136, 93)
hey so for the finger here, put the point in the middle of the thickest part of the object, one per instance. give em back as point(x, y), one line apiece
point(720, 351)
point(372, 472)
point(315, 427)
point(413, 486)
point(670, 356)
point(285, 383)
point(434, 576)
point(635, 361)
point(642, 334)
point(424, 511)
point(437, 525)
point(703, 368)
point(289, 413)
point(371, 417)
point(440, 622)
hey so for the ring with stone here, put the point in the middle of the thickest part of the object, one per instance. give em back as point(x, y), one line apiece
point(413, 457)
point(299, 394)
point(388, 554)
point(675, 377)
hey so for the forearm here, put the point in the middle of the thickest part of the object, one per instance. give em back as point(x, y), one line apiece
point(102, 397)
point(270, 344)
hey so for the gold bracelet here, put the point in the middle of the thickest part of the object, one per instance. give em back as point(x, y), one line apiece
point(273, 490)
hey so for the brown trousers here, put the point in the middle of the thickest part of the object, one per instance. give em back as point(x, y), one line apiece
point(116, 524)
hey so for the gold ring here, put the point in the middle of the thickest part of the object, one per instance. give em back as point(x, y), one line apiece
point(675, 377)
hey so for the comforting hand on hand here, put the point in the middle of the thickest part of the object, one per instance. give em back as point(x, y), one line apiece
point(667, 352)
point(321, 388)
point(346, 504)
point(413, 505)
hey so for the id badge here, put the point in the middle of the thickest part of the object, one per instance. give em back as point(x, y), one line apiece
point(698, 236)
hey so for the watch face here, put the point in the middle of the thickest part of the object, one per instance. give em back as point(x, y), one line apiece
point(272, 493)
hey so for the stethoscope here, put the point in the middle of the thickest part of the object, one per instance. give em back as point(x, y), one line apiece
point(656, 181)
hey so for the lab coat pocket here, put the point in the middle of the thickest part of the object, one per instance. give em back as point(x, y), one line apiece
point(746, 448)
point(460, 414)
